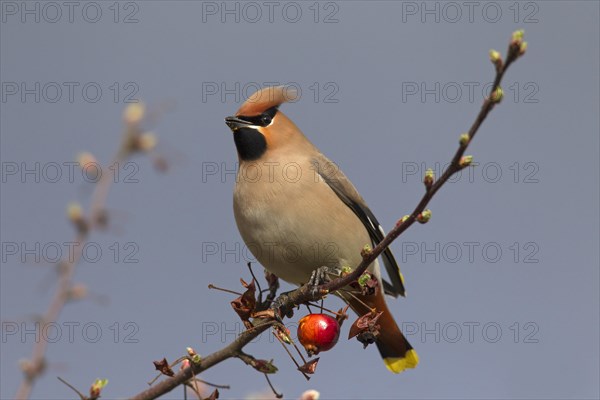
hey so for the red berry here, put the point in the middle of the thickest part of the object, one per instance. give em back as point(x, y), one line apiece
point(318, 332)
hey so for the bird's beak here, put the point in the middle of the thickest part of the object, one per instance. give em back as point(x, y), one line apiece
point(235, 123)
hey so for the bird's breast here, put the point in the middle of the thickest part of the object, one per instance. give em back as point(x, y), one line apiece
point(292, 221)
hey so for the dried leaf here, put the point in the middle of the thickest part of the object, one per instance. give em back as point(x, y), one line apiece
point(366, 328)
point(367, 338)
point(244, 305)
point(282, 333)
point(163, 367)
point(310, 366)
point(214, 395)
point(247, 285)
point(266, 314)
point(370, 287)
point(342, 315)
point(264, 366)
point(271, 279)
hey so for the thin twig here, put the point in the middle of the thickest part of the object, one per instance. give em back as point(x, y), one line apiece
point(290, 354)
point(213, 384)
point(81, 395)
point(339, 292)
point(211, 286)
point(323, 308)
point(278, 395)
point(207, 362)
point(257, 282)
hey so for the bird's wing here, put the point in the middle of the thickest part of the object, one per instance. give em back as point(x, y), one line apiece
point(344, 189)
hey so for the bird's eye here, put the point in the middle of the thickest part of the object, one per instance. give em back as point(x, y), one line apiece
point(266, 119)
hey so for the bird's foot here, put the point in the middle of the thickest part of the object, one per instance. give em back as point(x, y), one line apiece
point(320, 276)
point(323, 275)
point(279, 305)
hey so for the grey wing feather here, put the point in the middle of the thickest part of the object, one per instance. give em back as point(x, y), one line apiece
point(344, 189)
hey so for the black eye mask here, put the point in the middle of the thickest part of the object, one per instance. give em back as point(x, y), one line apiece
point(263, 119)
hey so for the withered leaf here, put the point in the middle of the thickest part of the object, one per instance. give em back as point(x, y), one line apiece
point(163, 367)
point(251, 285)
point(264, 366)
point(370, 287)
point(213, 396)
point(282, 333)
point(342, 315)
point(271, 279)
point(310, 366)
point(366, 323)
point(267, 314)
point(244, 305)
point(367, 338)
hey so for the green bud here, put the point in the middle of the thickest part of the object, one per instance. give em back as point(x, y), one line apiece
point(517, 35)
point(497, 95)
point(428, 178)
point(97, 387)
point(100, 383)
point(402, 220)
point(366, 251)
point(463, 139)
point(424, 216)
point(465, 161)
point(364, 278)
point(196, 359)
point(523, 48)
point(495, 56)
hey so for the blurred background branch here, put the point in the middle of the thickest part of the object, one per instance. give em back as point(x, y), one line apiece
point(135, 140)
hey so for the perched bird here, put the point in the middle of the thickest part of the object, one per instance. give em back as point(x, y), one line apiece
point(296, 211)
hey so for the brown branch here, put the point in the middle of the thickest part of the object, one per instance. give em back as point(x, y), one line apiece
point(287, 301)
point(307, 293)
point(34, 367)
point(229, 351)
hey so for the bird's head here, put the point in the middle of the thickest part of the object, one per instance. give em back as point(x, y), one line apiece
point(258, 126)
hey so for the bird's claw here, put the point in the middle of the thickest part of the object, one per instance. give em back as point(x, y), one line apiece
point(320, 276)
point(279, 306)
point(323, 275)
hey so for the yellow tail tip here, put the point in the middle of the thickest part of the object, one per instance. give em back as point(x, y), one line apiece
point(397, 364)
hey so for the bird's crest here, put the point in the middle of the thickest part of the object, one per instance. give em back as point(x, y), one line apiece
point(266, 98)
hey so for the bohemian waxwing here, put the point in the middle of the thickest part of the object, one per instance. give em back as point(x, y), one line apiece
point(296, 211)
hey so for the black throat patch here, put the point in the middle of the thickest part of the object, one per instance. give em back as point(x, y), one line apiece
point(250, 143)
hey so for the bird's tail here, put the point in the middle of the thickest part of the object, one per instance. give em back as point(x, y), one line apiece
point(395, 350)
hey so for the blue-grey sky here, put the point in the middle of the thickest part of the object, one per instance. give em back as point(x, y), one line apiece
point(503, 282)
